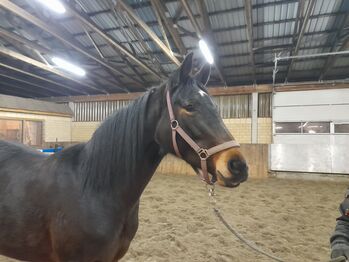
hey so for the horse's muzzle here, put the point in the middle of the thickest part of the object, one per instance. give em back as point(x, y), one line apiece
point(231, 168)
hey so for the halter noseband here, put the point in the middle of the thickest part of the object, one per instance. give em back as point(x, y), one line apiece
point(203, 153)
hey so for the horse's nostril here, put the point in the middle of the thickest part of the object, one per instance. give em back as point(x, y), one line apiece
point(234, 164)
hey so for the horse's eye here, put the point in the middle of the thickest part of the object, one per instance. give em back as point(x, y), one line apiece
point(189, 108)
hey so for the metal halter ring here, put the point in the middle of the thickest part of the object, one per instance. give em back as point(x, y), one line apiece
point(174, 124)
point(203, 154)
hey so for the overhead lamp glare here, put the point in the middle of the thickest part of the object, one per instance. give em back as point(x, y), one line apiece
point(54, 5)
point(69, 67)
point(206, 51)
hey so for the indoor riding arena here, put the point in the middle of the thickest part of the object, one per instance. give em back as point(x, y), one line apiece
point(224, 122)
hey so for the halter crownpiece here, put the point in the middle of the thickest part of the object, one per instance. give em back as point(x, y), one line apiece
point(203, 153)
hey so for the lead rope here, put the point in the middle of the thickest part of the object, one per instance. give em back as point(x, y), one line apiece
point(213, 201)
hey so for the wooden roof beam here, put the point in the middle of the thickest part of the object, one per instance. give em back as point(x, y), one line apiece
point(162, 9)
point(57, 33)
point(248, 19)
point(209, 36)
point(29, 83)
point(147, 29)
point(309, 11)
point(200, 32)
point(24, 90)
point(82, 17)
point(24, 72)
point(337, 38)
point(47, 68)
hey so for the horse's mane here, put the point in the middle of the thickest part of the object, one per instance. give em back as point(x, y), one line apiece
point(116, 147)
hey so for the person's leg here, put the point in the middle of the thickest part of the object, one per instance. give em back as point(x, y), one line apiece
point(340, 237)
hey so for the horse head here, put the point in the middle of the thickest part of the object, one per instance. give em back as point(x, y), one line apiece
point(196, 114)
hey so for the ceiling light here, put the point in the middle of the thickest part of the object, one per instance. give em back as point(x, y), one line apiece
point(54, 5)
point(206, 51)
point(67, 66)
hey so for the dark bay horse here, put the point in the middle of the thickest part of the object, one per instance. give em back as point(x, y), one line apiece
point(81, 204)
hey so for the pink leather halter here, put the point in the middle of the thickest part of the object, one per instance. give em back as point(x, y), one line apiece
point(203, 153)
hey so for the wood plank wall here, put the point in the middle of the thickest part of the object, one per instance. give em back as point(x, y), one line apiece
point(256, 156)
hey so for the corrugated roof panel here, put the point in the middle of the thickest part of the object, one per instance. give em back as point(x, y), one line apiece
point(230, 36)
point(92, 6)
point(265, 70)
point(120, 36)
point(221, 5)
point(186, 24)
point(305, 74)
point(325, 6)
point(275, 30)
point(72, 26)
point(342, 61)
point(233, 49)
point(310, 51)
point(238, 79)
point(189, 42)
point(108, 51)
point(264, 58)
point(105, 20)
point(138, 47)
point(237, 71)
point(308, 64)
point(83, 39)
point(172, 8)
point(194, 7)
point(317, 24)
point(169, 67)
point(227, 20)
point(342, 72)
point(146, 14)
point(241, 60)
point(234, 61)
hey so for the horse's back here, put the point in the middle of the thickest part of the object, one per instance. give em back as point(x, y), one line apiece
point(10, 151)
point(18, 164)
point(21, 201)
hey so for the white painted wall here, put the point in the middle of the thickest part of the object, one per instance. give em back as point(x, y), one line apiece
point(316, 105)
point(326, 153)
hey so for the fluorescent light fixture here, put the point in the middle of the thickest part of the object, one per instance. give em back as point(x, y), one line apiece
point(206, 51)
point(67, 66)
point(54, 5)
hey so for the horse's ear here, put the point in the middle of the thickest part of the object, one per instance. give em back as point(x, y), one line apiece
point(183, 72)
point(186, 66)
point(204, 74)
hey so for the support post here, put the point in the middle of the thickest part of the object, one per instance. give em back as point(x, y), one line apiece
point(254, 127)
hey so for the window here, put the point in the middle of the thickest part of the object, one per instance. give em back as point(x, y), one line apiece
point(32, 133)
point(302, 127)
point(316, 127)
point(21, 131)
point(288, 127)
point(264, 104)
point(341, 128)
point(11, 130)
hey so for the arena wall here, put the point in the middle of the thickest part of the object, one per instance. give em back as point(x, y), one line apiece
point(55, 128)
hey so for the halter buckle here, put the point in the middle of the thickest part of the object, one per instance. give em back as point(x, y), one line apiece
point(174, 124)
point(203, 154)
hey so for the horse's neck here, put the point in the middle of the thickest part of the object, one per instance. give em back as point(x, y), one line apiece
point(129, 186)
point(152, 154)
